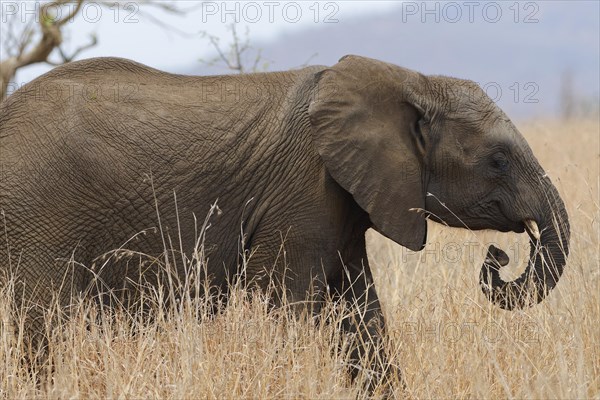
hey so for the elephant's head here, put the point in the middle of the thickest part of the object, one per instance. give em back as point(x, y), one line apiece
point(409, 146)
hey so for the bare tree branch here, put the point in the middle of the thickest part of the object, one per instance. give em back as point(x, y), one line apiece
point(65, 58)
point(238, 51)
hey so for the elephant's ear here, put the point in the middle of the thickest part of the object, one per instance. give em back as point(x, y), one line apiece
point(366, 129)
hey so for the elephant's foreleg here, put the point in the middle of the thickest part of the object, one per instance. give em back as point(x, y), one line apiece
point(369, 361)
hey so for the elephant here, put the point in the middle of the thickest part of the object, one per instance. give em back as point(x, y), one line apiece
point(93, 149)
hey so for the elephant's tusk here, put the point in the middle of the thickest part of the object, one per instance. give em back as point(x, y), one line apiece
point(532, 228)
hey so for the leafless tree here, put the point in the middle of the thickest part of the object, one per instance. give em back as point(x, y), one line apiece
point(239, 56)
point(36, 39)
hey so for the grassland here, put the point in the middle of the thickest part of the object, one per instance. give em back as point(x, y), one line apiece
point(448, 340)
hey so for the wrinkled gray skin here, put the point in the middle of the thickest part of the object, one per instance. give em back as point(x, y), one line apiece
point(317, 156)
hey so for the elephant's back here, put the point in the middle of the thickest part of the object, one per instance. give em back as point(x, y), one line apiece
point(87, 70)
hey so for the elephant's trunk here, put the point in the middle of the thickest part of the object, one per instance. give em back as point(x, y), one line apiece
point(546, 260)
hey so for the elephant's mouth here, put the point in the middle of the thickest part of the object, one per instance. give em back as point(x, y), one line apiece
point(509, 226)
point(504, 220)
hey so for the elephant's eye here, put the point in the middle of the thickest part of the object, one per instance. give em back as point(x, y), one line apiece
point(500, 162)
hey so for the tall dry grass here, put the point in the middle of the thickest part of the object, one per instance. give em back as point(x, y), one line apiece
point(447, 338)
